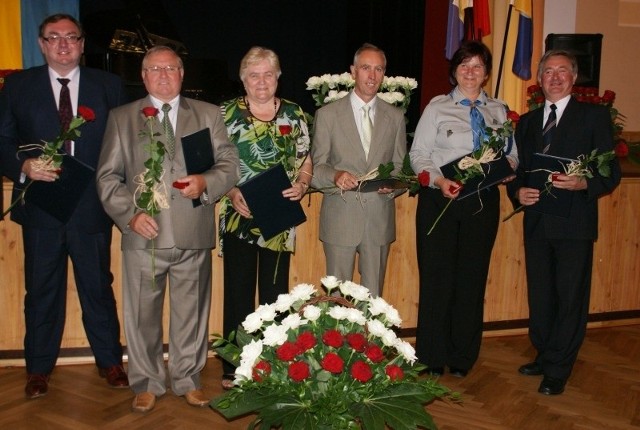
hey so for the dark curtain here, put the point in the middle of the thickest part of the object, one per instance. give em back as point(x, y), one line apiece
point(310, 37)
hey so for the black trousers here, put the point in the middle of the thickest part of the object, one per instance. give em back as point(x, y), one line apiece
point(453, 264)
point(247, 267)
point(558, 288)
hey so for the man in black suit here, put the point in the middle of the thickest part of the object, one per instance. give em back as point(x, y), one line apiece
point(559, 249)
point(28, 115)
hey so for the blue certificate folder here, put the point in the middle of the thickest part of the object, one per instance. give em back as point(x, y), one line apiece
point(60, 198)
point(271, 212)
point(553, 201)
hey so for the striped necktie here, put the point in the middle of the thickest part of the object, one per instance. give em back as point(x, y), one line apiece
point(477, 122)
point(549, 128)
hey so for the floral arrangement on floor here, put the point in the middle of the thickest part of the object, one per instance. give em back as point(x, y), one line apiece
point(150, 195)
point(582, 167)
point(590, 95)
point(471, 166)
point(314, 361)
point(395, 90)
point(51, 157)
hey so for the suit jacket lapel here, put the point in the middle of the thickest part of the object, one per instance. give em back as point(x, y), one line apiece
point(536, 129)
point(349, 125)
point(380, 125)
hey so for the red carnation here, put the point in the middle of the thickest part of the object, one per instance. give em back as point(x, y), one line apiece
point(149, 111)
point(361, 371)
point(394, 372)
point(86, 113)
point(298, 371)
point(261, 370)
point(374, 353)
point(332, 338)
point(284, 129)
point(287, 351)
point(357, 341)
point(332, 363)
point(306, 341)
point(621, 149)
point(424, 178)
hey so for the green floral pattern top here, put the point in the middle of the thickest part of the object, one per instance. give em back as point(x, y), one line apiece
point(262, 144)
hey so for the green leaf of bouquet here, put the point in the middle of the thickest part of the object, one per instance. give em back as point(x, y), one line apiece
point(384, 170)
point(237, 402)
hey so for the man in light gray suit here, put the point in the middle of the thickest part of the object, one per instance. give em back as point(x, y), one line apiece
point(181, 235)
point(351, 137)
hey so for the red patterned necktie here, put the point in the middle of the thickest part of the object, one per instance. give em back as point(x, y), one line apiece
point(65, 110)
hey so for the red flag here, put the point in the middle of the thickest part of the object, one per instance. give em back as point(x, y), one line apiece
point(481, 20)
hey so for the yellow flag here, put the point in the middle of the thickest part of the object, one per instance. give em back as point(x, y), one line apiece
point(10, 35)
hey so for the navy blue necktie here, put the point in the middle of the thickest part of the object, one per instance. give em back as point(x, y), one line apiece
point(549, 128)
point(477, 122)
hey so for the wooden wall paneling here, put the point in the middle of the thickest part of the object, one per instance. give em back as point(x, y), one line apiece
point(616, 272)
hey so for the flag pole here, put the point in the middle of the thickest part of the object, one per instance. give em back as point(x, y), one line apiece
point(504, 48)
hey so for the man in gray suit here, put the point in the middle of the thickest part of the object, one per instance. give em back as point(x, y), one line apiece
point(181, 235)
point(351, 137)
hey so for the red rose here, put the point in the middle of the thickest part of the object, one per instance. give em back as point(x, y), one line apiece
point(513, 116)
point(361, 371)
point(332, 338)
point(298, 371)
point(306, 341)
point(596, 100)
point(332, 363)
point(532, 89)
point(261, 370)
point(356, 341)
point(394, 372)
point(149, 111)
point(284, 129)
point(287, 351)
point(608, 96)
point(621, 149)
point(424, 178)
point(374, 353)
point(86, 113)
point(539, 99)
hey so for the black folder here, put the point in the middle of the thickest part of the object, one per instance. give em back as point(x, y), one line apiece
point(374, 185)
point(271, 212)
point(60, 198)
point(494, 173)
point(198, 154)
point(553, 201)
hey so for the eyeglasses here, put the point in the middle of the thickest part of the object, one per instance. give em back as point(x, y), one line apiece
point(157, 69)
point(71, 39)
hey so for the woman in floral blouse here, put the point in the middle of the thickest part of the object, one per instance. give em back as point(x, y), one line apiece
point(267, 130)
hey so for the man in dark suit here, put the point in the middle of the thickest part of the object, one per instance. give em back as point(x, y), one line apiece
point(28, 115)
point(180, 237)
point(345, 148)
point(559, 249)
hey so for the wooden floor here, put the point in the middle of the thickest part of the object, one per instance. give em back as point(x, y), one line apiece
point(602, 393)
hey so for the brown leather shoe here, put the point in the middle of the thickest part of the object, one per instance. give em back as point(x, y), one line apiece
point(37, 385)
point(196, 398)
point(143, 402)
point(116, 376)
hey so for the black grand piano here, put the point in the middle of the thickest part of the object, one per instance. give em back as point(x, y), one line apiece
point(119, 34)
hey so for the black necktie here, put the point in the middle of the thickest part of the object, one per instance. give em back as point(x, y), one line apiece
point(65, 110)
point(549, 128)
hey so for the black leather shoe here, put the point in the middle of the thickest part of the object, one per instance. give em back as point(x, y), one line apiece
point(436, 371)
point(459, 373)
point(551, 386)
point(531, 369)
point(37, 385)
